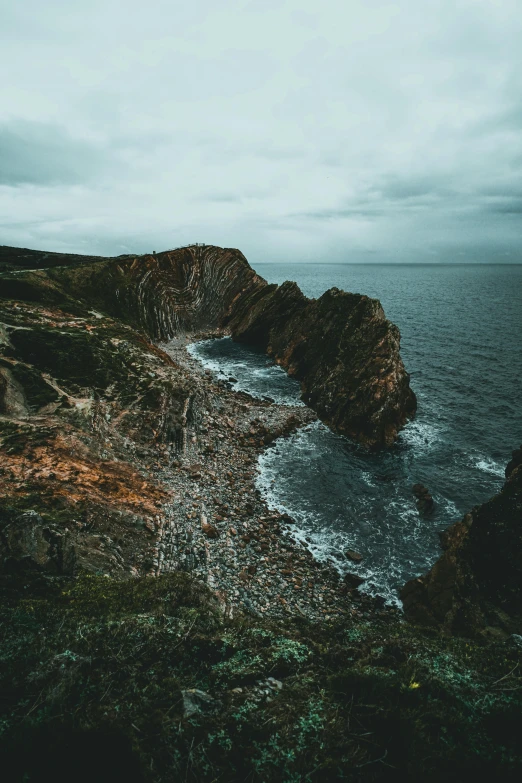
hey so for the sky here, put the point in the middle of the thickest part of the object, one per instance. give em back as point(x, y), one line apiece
point(295, 130)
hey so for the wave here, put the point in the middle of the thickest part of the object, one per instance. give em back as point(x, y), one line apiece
point(488, 465)
point(341, 497)
point(421, 435)
point(246, 370)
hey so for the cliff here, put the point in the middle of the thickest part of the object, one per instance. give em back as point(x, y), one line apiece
point(340, 347)
point(476, 586)
point(175, 291)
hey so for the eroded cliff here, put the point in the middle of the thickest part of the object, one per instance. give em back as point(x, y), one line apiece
point(476, 585)
point(121, 459)
point(341, 347)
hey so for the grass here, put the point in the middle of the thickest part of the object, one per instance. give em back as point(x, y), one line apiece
point(88, 660)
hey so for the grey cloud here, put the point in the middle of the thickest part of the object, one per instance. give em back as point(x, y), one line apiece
point(507, 207)
point(340, 214)
point(406, 189)
point(44, 154)
point(281, 126)
point(221, 198)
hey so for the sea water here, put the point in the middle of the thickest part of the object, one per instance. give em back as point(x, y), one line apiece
point(461, 328)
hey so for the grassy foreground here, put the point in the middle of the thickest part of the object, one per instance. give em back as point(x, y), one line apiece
point(147, 680)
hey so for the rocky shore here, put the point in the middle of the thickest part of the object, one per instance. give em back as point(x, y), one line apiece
point(475, 588)
point(121, 455)
point(158, 621)
point(341, 347)
point(219, 528)
point(190, 504)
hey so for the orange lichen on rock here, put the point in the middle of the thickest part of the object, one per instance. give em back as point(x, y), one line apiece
point(65, 467)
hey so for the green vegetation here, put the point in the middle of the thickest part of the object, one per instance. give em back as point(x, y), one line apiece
point(90, 660)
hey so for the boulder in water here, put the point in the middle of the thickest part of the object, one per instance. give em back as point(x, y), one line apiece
point(352, 555)
point(353, 581)
point(425, 502)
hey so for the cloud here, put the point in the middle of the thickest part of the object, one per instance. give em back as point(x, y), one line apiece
point(507, 207)
point(296, 131)
point(44, 154)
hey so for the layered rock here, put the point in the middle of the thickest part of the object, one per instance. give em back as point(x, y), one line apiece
point(340, 346)
point(85, 404)
point(186, 289)
point(475, 586)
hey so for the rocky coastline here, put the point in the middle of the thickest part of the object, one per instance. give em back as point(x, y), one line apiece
point(475, 588)
point(344, 352)
point(159, 622)
point(122, 456)
point(340, 347)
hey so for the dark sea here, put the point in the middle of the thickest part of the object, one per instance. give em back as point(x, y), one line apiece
point(461, 328)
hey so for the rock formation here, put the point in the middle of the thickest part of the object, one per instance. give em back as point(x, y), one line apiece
point(88, 401)
point(425, 502)
point(476, 586)
point(340, 347)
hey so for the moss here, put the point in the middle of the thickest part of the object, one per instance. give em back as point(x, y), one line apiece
point(37, 288)
point(77, 357)
point(355, 701)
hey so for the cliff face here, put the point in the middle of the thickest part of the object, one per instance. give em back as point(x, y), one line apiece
point(89, 404)
point(86, 404)
point(475, 587)
point(181, 290)
point(341, 347)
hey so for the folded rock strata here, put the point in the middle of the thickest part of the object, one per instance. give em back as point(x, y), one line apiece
point(340, 347)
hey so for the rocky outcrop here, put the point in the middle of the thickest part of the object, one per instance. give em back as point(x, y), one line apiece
point(425, 502)
point(340, 347)
point(165, 294)
point(475, 587)
point(86, 402)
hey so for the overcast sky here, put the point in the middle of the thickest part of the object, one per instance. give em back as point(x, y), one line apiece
point(332, 130)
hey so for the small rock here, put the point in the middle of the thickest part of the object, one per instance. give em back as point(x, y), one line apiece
point(209, 530)
point(352, 555)
point(196, 701)
point(425, 502)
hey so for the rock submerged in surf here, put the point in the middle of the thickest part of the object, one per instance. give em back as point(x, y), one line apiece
point(353, 581)
point(352, 555)
point(425, 502)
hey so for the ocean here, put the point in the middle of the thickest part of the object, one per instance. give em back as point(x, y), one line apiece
point(461, 328)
